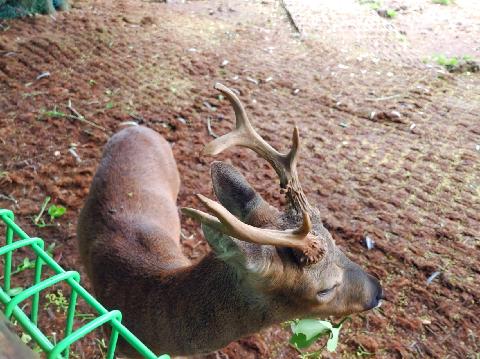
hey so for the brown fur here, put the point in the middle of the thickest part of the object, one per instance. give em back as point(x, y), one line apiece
point(128, 233)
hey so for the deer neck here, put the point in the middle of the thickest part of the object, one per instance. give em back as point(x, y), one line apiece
point(215, 304)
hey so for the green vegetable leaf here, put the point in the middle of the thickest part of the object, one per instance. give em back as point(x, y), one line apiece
point(307, 331)
point(333, 340)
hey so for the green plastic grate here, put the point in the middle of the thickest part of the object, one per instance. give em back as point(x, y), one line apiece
point(61, 349)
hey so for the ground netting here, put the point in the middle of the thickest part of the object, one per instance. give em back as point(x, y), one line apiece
point(390, 138)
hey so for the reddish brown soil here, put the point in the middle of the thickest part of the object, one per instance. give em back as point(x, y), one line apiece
point(410, 182)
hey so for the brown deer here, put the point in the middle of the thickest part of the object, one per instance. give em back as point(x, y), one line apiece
point(266, 266)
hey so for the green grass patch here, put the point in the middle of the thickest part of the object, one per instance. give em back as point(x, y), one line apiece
point(443, 2)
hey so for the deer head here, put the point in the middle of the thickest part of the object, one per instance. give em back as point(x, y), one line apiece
point(285, 255)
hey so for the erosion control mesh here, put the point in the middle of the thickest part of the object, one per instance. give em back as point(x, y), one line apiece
point(390, 138)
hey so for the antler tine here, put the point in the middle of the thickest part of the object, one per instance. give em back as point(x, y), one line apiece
point(245, 135)
point(227, 223)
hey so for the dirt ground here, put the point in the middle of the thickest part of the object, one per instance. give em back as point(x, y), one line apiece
point(391, 141)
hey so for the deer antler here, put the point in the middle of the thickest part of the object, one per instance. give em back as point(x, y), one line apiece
point(285, 165)
point(225, 222)
point(245, 135)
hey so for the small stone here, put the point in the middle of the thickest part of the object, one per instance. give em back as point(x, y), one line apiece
point(43, 75)
point(432, 277)
point(396, 114)
point(369, 242)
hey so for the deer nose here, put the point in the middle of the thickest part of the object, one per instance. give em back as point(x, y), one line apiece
point(381, 294)
point(378, 293)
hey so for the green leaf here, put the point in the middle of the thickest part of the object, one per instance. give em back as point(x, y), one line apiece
point(14, 291)
point(41, 223)
point(27, 264)
point(56, 211)
point(50, 249)
point(25, 338)
point(391, 13)
point(312, 327)
point(333, 340)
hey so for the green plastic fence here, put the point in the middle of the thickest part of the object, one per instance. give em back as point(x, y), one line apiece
point(61, 349)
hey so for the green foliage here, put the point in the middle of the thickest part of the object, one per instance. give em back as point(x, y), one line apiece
point(53, 113)
point(377, 5)
point(373, 4)
point(361, 351)
point(468, 58)
point(38, 221)
point(26, 264)
point(445, 61)
point(14, 291)
point(305, 332)
point(54, 211)
point(57, 300)
point(391, 13)
point(443, 2)
point(25, 338)
point(456, 64)
point(84, 316)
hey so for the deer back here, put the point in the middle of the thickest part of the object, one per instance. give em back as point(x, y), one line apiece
point(130, 221)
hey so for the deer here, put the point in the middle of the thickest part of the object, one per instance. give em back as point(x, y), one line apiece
point(266, 265)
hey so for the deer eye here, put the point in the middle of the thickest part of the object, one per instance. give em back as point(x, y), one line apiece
point(324, 292)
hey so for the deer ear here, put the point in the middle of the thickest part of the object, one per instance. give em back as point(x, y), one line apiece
point(235, 194)
point(246, 257)
point(224, 246)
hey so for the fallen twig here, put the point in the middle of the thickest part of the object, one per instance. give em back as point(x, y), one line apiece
point(81, 118)
point(290, 16)
point(9, 198)
point(209, 128)
point(432, 277)
point(43, 75)
point(75, 154)
point(184, 237)
point(388, 97)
